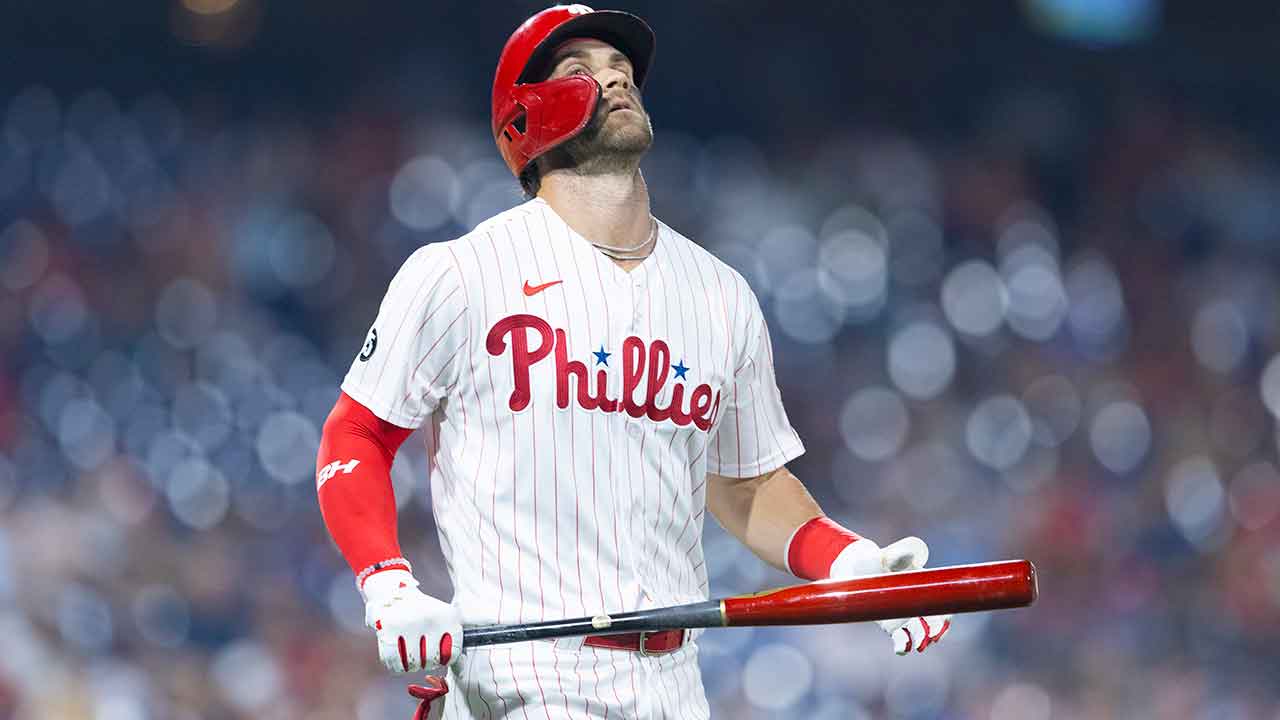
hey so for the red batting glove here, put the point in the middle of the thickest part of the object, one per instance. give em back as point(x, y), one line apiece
point(435, 687)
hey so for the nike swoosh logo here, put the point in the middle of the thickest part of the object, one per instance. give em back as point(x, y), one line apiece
point(531, 290)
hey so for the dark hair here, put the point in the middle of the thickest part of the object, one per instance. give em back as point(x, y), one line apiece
point(530, 180)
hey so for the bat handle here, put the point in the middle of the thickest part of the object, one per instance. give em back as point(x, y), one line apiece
point(694, 615)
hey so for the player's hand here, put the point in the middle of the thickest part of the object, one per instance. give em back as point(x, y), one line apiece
point(416, 632)
point(864, 557)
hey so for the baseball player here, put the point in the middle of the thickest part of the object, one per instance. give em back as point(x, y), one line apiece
point(588, 383)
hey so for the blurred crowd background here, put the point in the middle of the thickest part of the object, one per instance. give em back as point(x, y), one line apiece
point(1019, 262)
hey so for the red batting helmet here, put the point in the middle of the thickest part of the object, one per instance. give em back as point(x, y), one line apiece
point(532, 117)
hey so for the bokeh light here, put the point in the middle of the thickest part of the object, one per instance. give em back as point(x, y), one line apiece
point(974, 298)
point(1196, 502)
point(247, 675)
point(1219, 336)
point(999, 431)
point(1022, 701)
point(776, 676)
point(874, 423)
point(1120, 436)
point(921, 359)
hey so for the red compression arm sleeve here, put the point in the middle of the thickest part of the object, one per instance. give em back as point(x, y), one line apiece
point(353, 483)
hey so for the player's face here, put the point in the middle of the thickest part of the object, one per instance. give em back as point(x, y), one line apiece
point(620, 126)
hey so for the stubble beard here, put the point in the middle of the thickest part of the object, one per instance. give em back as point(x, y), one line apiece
point(601, 149)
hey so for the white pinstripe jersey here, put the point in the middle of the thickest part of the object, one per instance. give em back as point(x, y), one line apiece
point(572, 410)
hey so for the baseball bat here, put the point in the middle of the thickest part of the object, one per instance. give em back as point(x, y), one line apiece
point(936, 591)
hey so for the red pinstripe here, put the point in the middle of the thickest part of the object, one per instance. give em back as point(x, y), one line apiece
point(537, 540)
point(661, 672)
point(555, 474)
point(613, 681)
point(688, 518)
point(644, 481)
point(515, 485)
point(772, 373)
point(591, 331)
point(670, 291)
point(595, 665)
point(435, 344)
point(651, 530)
point(462, 406)
point(431, 314)
point(595, 503)
point(515, 682)
point(377, 382)
point(684, 684)
point(475, 390)
point(493, 392)
point(769, 421)
point(493, 673)
point(577, 662)
point(475, 692)
point(728, 353)
point(617, 548)
point(755, 428)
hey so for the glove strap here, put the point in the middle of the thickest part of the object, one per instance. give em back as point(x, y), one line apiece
point(397, 563)
point(815, 545)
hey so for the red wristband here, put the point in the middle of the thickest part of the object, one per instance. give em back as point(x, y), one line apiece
point(815, 545)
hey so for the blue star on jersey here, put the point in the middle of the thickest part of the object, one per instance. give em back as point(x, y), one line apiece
point(680, 370)
point(602, 357)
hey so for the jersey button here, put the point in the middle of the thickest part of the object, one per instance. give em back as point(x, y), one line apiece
point(634, 429)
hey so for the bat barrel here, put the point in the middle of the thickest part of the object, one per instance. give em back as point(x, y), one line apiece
point(939, 591)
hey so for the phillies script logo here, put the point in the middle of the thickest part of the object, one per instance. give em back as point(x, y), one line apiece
point(636, 359)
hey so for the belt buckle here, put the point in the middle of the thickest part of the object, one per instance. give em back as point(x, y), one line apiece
point(644, 652)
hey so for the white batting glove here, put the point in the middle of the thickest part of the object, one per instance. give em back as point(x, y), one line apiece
point(864, 557)
point(416, 632)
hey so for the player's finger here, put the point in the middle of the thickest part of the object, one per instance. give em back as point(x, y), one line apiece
point(432, 688)
point(403, 648)
point(909, 553)
point(927, 630)
point(946, 625)
point(935, 626)
point(446, 648)
point(902, 640)
point(393, 652)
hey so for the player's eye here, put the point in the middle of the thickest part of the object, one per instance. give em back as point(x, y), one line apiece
point(578, 70)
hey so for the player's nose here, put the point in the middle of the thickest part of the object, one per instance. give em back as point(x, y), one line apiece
point(613, 79)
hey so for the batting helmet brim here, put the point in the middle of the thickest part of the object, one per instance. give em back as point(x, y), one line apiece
point(629, 34)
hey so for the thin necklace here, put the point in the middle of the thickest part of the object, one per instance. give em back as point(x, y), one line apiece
point(621, 253)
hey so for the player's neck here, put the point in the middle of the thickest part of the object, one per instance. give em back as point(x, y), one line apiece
point(607, 208)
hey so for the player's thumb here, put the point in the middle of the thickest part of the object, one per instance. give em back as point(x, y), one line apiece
point(909, 553)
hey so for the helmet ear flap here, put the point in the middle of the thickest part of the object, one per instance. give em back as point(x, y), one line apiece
point(540, 116)
point(516, 125)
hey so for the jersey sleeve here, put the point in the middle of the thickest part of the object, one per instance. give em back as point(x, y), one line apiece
point(410, 358)
point(753, 435)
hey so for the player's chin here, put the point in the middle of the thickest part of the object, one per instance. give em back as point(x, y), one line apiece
point(634, 134)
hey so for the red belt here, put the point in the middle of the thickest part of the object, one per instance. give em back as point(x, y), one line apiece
point(645, 643)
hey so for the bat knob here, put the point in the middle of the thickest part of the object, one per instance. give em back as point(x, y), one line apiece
point(909, 553)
